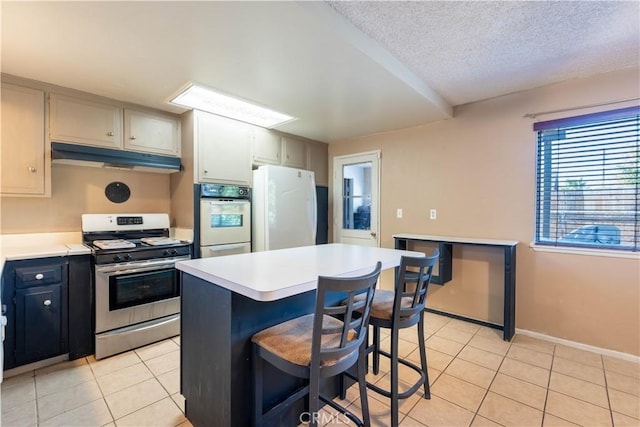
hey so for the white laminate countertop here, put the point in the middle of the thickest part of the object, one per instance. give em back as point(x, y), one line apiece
point(273, 275)
point(41, 245)
point(453, 239)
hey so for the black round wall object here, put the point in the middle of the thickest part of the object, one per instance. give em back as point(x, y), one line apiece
point(117, 192)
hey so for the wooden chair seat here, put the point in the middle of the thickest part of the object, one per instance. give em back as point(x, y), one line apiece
point(382, 305)
point(291, 340)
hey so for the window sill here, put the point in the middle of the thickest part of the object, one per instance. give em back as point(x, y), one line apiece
point(586, 251)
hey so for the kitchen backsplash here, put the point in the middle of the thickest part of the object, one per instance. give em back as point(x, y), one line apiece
point(77, 190)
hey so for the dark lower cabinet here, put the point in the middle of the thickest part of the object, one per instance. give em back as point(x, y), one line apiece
point(49, 307)
point(41, 323)
point(81, 307)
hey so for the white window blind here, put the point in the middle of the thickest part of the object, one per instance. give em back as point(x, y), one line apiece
point(588, 181)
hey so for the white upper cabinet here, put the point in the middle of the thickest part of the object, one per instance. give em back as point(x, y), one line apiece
point(273, 148)
point(294, 153)
point(23, 142)
point(266, 147)
point(84, 122)
point(318, 162)
point(88, 122)
point(223, 150)
point(151, 133)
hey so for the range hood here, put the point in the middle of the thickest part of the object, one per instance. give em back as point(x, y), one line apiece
point(83, 155)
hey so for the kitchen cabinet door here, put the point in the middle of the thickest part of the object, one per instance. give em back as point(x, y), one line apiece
point(318, 162)
point(34, 297)
point(84, 122)
point(40, 322)
point(266, 147)
point(151, 133)
point(23, 141)
point(224, 150)
point(294, 153)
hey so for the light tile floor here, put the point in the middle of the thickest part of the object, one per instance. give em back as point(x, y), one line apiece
point(476, 380)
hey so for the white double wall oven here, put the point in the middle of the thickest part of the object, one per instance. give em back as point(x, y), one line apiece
point(225, 220)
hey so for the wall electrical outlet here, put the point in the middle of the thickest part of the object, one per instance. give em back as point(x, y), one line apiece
point(399, 213)
point(432, 214)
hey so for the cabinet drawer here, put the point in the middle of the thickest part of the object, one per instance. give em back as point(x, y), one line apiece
point(37, 276)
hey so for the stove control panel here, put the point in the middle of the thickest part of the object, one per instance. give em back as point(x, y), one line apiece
point(129, 220)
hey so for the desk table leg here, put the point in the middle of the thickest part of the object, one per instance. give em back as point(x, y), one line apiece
point(509, 292)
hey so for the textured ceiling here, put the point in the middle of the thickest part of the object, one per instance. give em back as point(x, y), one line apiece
point(344, 69)
point(472, 50)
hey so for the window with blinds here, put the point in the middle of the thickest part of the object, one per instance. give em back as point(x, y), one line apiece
point(588, 181)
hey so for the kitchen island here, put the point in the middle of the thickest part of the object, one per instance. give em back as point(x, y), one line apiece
point(226, 300)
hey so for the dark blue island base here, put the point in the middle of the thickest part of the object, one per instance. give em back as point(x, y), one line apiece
point(215, 354)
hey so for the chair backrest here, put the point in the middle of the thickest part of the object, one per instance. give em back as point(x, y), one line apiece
point(334, 343)
point(411, 287)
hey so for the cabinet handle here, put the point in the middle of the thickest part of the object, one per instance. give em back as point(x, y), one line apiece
point(32, 169)
point(206, 171)
point(39, 276)
point(109, 133)
point(47, 302)
point(132, 137)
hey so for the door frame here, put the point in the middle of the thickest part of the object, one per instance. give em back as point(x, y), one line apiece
point(338, 161)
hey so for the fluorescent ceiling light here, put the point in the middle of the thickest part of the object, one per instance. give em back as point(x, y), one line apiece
point(200, 98)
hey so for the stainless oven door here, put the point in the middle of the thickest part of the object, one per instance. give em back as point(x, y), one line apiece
point(224, 221)
point(131, 293)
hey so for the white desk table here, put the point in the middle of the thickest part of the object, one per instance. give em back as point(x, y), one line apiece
point(445, 244)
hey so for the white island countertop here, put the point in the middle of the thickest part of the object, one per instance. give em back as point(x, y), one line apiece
point(277, 274)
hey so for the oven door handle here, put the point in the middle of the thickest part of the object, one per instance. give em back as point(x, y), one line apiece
point(226, 202)
point(221, 248)
point(147, 325)
point(129, 268)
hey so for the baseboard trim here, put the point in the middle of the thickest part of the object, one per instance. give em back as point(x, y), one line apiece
point(35, 365)
point(581, 346)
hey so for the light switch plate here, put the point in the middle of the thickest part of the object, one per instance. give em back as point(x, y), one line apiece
point(432, 214)
point(399, 213)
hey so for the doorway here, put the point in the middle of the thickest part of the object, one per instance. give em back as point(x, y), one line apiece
point(356, 199)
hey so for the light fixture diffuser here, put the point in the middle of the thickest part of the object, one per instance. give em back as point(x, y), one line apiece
point(201, 98)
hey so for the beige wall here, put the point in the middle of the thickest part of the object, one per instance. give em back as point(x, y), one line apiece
point(77, 190)
point(182, 182)
point(478, 171)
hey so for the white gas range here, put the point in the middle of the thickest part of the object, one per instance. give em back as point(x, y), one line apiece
point(137, 288)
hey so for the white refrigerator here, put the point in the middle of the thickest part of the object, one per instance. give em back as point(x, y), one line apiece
point(284, 213)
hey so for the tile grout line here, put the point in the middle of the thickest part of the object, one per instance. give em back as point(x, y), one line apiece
point(475, 415)
point(113, 418)
point(546, 395)
point(35, 389)
point(606, 388)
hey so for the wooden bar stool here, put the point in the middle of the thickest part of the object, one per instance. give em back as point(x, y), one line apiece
point(319, 345)
point(397, 310)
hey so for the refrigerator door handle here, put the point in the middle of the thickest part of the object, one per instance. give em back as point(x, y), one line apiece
point(315, 209)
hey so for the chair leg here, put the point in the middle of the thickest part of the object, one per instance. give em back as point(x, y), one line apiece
point(394, 377)
point(376, 350)
point(343, 387)
point(314, 396)
point(362, 382)
point(257, 363)
point(423, 358)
